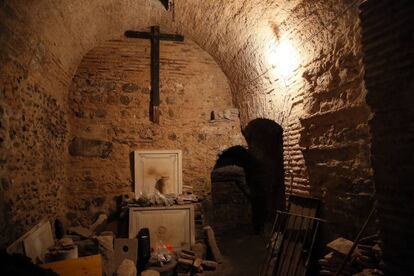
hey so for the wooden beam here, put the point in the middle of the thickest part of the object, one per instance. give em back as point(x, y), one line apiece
point(155, 36)
point(212, 244)
point(89, 265)
point(168, 37)
point(155, 74)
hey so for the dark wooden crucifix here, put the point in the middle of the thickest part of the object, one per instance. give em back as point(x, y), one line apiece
point(155, 37)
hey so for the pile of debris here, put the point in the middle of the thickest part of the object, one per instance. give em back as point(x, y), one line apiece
point(192, 262)
point(101, 247)
point(160, 199)
point(63, 249)
point(364, 261)
point(202, 257)
point(75, 246)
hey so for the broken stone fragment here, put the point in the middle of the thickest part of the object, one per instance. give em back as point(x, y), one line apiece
point(64, 249)
point(125, 100)
point(127, 268)
point(197, 265)
point(106, 243)
point(172, 136)
point(171, 100)
point(340, 245)
point(100, 113)
point(81, 231)
point(212, 244)
point(185, 262)
point(187, 256)
point(90, 147)
point(100, 221)
point(199, 250)
point(209, 265)
point(65, 242)
point(227, 114)
point(130, 87)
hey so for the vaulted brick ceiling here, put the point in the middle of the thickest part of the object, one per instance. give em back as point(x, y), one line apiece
point(238, 34)
point(223, 28)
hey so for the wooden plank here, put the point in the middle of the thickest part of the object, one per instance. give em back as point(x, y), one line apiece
point(197, 265)
point(185, 262)
point(155, 74)
point(35, 242)
point(147, 35)
point(301, 205)
point(212, 244)
point(155, 37)
point(84, 266)
point(209, 265)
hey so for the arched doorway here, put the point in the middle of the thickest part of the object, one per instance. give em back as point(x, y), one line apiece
point(266, 178)
point(230, 193)
point(255, 174)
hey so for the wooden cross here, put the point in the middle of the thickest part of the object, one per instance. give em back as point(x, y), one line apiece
point(155, 37)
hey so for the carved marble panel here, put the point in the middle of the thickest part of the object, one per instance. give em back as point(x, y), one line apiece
point(174, 225)
point(158, 170)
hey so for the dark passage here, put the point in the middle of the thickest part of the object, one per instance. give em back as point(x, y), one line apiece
point(231, 197)
point(266, 176)
point(250, 180)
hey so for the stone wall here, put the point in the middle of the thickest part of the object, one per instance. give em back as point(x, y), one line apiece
point(388, 32)
point(109, 108)
point(33, 131)
point(321, 107)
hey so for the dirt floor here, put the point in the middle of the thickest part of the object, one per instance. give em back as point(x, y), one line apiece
point(243, 254)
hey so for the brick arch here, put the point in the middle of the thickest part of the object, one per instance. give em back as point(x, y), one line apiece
point(67, 31)
point(109, 100)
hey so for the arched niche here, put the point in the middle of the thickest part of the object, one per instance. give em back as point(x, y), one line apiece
point(109, 118)
point(231, 207)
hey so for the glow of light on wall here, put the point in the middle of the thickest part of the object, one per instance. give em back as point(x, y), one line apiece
point(284, 58)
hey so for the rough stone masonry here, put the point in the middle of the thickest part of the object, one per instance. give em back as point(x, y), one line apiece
point(321, 105)
point(109, 102)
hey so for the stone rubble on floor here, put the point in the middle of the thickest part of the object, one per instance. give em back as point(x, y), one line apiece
point(366, 260)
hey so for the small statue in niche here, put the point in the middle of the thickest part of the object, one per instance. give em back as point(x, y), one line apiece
point(161, 184)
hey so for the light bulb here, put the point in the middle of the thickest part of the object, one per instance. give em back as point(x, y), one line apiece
point(284, 58)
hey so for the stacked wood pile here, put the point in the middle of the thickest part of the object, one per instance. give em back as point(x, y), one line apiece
point(365, 260)
point(202, 257)
point(191, 263)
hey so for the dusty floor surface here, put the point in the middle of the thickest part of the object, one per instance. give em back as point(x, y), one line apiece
point(243, 255)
